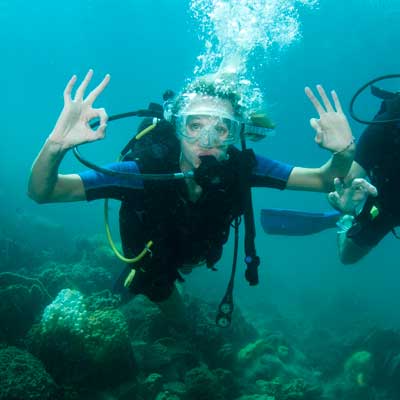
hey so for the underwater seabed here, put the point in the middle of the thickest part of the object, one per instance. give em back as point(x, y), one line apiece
point(64, 336)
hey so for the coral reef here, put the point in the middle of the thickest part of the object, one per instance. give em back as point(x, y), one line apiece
point(203, 384)
point(359, 368)
point(81, 276)
point(22, 376)
point(82, 347)
point(86, 343)
point(21, 301)
point(252, 351)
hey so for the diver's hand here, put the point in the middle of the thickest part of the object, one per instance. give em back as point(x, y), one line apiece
point(333, 131)
point(349, 199)
point(72, 127)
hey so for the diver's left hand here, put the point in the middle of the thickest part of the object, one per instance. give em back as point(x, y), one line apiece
point(332, 129)
point(349, 198)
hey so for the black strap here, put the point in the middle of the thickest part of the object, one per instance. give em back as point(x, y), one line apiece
point(392, 100)
point(225, 308)
point(252, 260)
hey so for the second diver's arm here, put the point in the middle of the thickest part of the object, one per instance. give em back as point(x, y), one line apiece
point(349, 197)
point(321, 179)
point(333, 133)
point(349, 251)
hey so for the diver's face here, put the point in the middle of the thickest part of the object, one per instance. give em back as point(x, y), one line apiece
point(191, 153)
point(205, 134)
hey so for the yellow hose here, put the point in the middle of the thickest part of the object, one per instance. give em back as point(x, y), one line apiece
point(145, 131)
point(112, 244)
point(107, 225)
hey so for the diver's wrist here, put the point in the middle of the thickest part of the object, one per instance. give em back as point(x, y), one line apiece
point(347, 150)
point(344, 223)
point(55, 147)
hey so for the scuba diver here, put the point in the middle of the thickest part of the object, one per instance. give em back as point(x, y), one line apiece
point(371, 206)
point(169, 226)
point(368, 197)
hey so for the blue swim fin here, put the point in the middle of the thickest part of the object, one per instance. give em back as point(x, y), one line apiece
point(277, 221)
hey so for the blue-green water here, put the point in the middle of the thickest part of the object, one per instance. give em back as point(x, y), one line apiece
point(149, 46)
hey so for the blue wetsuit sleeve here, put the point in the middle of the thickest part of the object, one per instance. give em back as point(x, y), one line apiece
point(100, 186)
point(270, 173)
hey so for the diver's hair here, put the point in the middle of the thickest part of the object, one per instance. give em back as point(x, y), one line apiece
point(225, 87)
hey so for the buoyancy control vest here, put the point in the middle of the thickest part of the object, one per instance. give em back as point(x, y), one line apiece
point(385, 173)
point(184, 233)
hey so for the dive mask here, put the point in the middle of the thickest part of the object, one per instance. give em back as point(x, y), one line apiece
point(208, 127)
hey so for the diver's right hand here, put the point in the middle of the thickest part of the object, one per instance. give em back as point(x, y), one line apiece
point(72, 127)
point(350, 198)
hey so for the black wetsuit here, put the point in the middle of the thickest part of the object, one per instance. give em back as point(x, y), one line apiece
point(378, 152)
point(184, 233)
